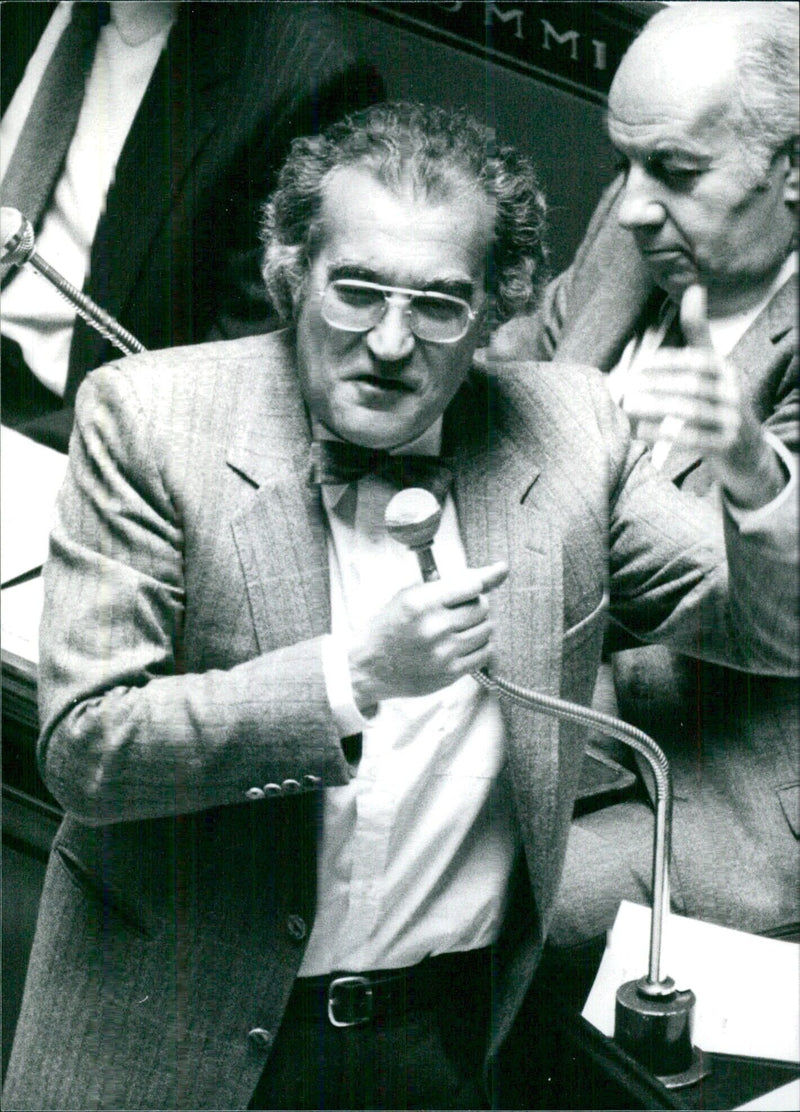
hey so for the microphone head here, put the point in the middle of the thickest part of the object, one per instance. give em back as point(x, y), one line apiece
point(17, 238)
point(412, 517)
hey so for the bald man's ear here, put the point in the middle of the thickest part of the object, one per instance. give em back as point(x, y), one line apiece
point(791, 189)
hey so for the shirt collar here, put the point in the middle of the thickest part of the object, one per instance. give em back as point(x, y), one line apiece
point(727, 331)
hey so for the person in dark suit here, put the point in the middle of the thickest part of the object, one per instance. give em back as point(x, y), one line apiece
point(709, 193)
point(308, 860)
point(174, 256)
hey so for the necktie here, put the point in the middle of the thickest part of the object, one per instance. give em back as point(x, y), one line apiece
point(47, 133)
point(335, 461)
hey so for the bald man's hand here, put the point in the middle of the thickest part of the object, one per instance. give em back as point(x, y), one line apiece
point(692, 396)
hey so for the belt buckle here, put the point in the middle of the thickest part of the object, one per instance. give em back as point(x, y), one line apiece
point(349, 1001)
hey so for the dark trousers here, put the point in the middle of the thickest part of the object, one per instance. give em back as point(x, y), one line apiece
point(426, 1050)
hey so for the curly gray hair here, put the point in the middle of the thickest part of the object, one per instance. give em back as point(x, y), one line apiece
point(430, 149)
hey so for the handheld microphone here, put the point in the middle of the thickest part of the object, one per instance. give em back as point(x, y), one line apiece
point(653, 1019)
point(412, 518)
point(19, 248)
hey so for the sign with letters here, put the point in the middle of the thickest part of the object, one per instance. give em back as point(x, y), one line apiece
point(576, 46)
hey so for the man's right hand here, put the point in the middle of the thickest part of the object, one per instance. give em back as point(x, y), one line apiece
point(696, 396)
point(426, 637)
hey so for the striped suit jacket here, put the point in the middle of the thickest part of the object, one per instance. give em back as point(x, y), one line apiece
point(186, 593)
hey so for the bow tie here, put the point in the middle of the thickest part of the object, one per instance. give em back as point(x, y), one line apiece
point(334, 461)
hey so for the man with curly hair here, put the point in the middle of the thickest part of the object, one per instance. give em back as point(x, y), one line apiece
point(307, 860)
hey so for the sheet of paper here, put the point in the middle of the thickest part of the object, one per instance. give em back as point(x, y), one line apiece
point(20, 613)
point(30, 478)
point(747, 987)
point(784, 1099)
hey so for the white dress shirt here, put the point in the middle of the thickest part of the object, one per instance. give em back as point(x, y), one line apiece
point(128, 49)
point(416, 851)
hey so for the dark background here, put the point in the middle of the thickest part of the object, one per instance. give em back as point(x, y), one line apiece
point(543, 101)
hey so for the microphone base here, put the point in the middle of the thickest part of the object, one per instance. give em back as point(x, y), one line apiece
point(656, 1030)
point(698, 1069)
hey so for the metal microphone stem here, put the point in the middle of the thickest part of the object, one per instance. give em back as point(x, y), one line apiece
point(98, 318)
point(653, 984)
point(19, 247)
point(653, 1019)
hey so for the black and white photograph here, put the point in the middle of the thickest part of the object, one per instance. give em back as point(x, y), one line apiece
point(400, 543)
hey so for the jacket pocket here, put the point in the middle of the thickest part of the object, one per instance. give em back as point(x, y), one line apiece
point(106, 900)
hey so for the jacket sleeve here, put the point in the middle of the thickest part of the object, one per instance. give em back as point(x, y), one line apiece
point(128, 732)
point(670, 581)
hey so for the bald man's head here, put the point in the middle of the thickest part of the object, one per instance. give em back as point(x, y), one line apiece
point(743, 55)
point(698, 112)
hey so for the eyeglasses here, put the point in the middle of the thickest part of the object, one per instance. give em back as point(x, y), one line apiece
point(355, 306)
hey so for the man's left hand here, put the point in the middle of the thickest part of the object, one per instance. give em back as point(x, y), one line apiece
point(694, 396)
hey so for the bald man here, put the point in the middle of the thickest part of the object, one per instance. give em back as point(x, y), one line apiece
point(703, 113)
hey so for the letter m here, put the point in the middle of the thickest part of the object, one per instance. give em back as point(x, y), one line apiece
point(568, 36)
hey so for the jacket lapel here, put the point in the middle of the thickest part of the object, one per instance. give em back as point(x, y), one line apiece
point(781, 313)
point(23, 27)
point(280, 534)
point(147, 181)
point(500, 517)
point(755, 351)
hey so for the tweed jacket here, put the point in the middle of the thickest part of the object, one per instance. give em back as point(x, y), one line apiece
point(186, 594)
point(175, 257)
point(732, 740)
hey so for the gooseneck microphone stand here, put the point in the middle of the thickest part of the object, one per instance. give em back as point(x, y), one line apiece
point(653, 1019)
point(19, 248)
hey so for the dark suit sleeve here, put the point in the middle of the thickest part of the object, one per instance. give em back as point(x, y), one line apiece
point(566, 293)
point(537, 337)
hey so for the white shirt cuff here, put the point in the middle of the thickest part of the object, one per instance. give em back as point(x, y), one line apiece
point(750, 520)
point(339, 689)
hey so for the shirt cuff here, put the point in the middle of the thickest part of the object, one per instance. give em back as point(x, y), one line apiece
point(750, 520)
point(336, 672)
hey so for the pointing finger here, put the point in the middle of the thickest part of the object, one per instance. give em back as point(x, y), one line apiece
point(494, 575)
point(694, 318)
point(473, 583)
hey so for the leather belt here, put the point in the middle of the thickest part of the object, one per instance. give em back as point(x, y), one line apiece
point(352, 999)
